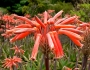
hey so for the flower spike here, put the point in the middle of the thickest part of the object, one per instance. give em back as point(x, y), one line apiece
point(46, 30)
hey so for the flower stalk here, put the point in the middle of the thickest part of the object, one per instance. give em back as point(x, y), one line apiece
point(86, 48)
point(84, 62)
point(47, 61)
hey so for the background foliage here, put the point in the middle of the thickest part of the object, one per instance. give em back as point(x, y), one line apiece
point(33, 7)
point(83, 11)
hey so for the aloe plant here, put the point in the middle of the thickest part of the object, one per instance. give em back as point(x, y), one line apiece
point(46, 33)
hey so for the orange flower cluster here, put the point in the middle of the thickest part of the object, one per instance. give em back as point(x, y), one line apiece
point(17, 50)
point(46, 31)
point(10, 62)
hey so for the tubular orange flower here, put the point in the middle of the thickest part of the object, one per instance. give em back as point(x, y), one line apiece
point(69, 20)
point(59, 20)
point(12, 30)
point(51, 21)
point(70, 34)
point(73, 30)
point(59, 44)
point(24, 26)
point(45, 17)
point(19, 36)
point(56, 49)
point(36, 24)
point(50, 42)
point(39, 21)
point(24, 19)
point(58, 14)
point(77, 42)
point(84, 24)
point(18, 31)
point(65, 26)
point(35, 48)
